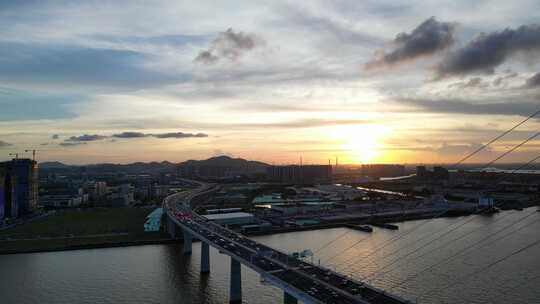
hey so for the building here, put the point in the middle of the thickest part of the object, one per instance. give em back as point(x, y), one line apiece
point(153, 220)
point(120, 196)
point(63, 200)
point(306, 174)
point(421, 171)
point(234, 218)
point(438, 173)
point(303, 208)
point(18, 188)
point(383, 170)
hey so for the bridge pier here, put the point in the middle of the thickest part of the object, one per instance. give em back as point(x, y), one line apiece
point(205, 257)
point(289, 299)
point(171, 228)
point(235, 291)
point(188, 240)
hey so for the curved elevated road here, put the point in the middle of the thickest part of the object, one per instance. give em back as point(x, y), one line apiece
point(299, 280)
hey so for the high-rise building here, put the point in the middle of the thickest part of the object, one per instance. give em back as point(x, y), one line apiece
point(18, 187)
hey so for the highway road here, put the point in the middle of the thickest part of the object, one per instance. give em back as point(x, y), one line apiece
point(315, 283)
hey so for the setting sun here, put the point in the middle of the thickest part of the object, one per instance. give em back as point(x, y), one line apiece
point(362, 143)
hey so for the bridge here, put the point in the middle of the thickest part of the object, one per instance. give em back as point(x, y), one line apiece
point(298, 279)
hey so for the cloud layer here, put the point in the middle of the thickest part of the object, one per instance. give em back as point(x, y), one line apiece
point(428, 38)
point(488, 51)
point(74, 140)
point(228, 45)
point(4, 144)
point(534, 81)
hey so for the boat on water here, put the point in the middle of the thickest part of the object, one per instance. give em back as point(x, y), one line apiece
point(386, 225)
point(365, 228)
point(488, 211)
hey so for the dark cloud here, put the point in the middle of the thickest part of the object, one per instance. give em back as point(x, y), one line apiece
point(429, 37)
point(229, 45)
point(129, 135)
point(71, 144)
point(487, 51)
point(475, 82)
point(4, 144)
point(179, 135)
point(460, 106)
point(534, 81)
point(206, 57)
point(55, 136)
point(502, 79)
point(85, 137)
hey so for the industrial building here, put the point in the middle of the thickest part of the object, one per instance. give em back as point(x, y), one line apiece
point(302, 208)
point(18, 188)
point(302, 174)
point(234, 218)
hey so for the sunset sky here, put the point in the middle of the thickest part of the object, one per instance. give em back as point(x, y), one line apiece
point(366, 81)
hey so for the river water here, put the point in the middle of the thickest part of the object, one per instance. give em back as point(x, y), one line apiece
point(400, 261)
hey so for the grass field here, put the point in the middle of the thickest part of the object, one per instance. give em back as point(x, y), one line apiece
point(80, 227)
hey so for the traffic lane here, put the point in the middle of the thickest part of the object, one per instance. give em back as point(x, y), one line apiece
point(329, 277)
point(336, 282)
point(314, 289)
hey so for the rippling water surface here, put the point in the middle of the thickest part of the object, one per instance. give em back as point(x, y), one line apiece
point(400, 261)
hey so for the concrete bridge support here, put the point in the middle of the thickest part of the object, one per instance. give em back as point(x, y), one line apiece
point(171, 228)
point(235, 291)
point(205, 257)
point(289, 299)
point(188, 240)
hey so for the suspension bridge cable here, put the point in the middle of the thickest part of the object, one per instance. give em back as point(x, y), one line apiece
point(480, 242)
point(465, 158)
point(425, 245)
point(460, 252)
point(485, 166)
point(391, 240)
point(496, 138)
point(514, 148)
point(478, 271)
point(398, 259)
point(332, 241)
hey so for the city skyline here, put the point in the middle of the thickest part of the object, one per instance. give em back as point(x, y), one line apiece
point(407, 82)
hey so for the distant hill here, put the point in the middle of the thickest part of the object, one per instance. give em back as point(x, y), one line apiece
point(53, 165)
point(138, 167)
point(214, 164)
point(225, 161)
point(221, 166)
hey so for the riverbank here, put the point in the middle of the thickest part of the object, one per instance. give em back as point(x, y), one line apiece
point(370, 219)
point(81, 229)
point(106, 228)
point(91, 246)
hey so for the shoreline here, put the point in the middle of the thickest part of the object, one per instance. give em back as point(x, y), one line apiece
point(93, 246)
point(340, 224)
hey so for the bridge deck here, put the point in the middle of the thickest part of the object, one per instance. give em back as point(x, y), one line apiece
point(310, 282)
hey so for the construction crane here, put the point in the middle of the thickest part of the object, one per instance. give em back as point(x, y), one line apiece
point(33, 154)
